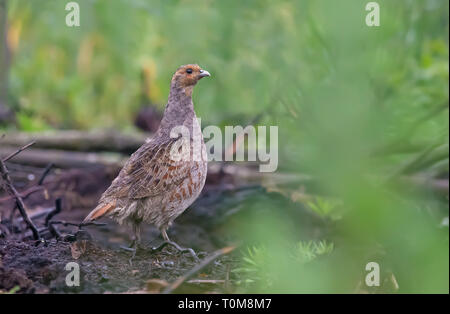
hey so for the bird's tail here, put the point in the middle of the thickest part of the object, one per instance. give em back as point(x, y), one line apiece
point(101, 210)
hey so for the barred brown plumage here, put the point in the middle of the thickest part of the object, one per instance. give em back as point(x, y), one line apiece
point(153, 187)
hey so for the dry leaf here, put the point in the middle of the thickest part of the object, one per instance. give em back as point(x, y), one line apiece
point(78, 248)
point(156, 285)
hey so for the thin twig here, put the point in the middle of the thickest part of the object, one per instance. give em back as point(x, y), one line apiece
point(54, 212)
point(45, 173)
point(19, 201)
point(75, 224)
point(54, 232)
point(50, 215)
point(18, 151)
point(208, 260)
point(30, 191)
point(25, 194)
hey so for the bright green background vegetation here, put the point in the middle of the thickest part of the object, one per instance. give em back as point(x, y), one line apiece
point(357, 108)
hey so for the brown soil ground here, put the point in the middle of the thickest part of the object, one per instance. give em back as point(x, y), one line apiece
point(30, 267)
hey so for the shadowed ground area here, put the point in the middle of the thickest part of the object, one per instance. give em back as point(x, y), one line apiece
point(35, 267)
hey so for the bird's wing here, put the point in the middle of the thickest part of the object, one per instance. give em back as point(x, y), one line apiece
point(153, 169)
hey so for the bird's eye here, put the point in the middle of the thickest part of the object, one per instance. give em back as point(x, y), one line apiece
point(189, 71)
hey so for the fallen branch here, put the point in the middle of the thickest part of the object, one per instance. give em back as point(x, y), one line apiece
point(64, 159)
point(248, 172)
point(80, 140)
point(55, 232)
point(208, 260)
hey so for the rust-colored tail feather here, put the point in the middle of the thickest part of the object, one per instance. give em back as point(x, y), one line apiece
point(99, 211)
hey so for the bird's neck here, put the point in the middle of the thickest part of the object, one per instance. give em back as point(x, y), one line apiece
point(179, 110)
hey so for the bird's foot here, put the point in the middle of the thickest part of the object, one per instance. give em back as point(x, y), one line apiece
point(134, 248)
point(127, 248)
point(176, 246)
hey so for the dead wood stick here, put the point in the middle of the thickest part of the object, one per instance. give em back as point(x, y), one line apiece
point(53, 212)
point(25, 194)
point(208, 260)
point(75, 224)
point(249, 173)
point(73, 140)
point(45, 173)
point(54, 232)
point(18, 151)
point(64, 159)
point(19, 201)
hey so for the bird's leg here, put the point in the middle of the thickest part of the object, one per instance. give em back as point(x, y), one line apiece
point(167, 241)
point(136, 243)
point(137, 235)
point(136, 240)
point(164, 235)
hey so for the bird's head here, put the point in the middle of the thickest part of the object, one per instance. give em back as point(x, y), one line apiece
point(188, 75)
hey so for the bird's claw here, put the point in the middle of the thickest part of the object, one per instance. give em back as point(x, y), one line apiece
point(176, 246)
point(134, 248)
point(128, 249)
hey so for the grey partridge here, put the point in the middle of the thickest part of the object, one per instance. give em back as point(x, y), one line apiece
point(154, 187)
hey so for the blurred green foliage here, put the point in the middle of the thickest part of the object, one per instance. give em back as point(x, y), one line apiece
point(357, 108)
point(256, 260)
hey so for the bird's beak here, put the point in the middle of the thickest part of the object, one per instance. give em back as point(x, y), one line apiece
point(204, 73)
